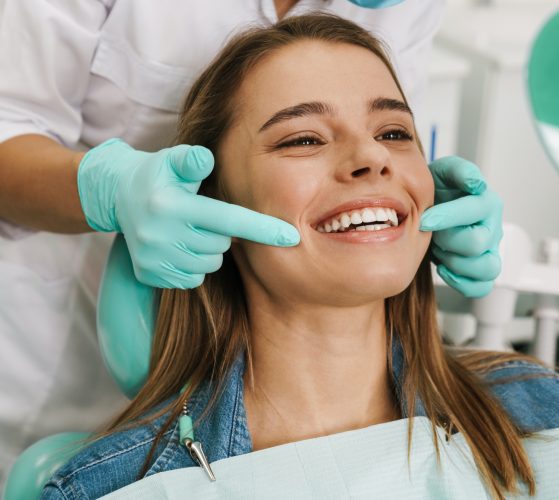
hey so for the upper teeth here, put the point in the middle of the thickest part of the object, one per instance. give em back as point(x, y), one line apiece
point(343, 220)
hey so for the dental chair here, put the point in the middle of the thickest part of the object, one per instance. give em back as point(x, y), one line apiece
point(125, 321)
point(125, 326)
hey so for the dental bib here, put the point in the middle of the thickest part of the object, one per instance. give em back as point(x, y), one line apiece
point(366, 463)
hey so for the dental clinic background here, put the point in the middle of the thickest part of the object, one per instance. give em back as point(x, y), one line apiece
point(477, 106)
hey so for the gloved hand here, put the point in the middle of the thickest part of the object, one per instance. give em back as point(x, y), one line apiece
point(467, 225)
point(375, 4)
point(174, 236)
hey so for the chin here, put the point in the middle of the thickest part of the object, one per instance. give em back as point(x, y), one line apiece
point(356, 281)
point(382, 289)
point(362, 287)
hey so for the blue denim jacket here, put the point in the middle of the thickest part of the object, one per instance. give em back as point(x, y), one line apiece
point(115, 461)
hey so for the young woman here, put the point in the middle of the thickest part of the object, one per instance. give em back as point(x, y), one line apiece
point(309, 124)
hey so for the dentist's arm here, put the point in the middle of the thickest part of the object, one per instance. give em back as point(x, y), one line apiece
point(38, 185)
point(467, 227)
point(174, 236)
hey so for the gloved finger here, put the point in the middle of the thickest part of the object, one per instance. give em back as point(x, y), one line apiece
point(191, 163)
point(169, 277)
point(203, 242)
point(236, 221)
point(455, 173)
point(467, 287)
point(444, 195)
point(464, 211)
point(175, 258)
point(182, 281)
point(483, 267)
point(191, 262)
point(467, 241)
point(470, 241)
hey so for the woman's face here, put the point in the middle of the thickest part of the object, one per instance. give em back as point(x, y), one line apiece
point(321, 139)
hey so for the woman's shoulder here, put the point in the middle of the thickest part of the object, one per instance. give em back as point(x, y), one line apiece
point(528, 391)
point(116, 460)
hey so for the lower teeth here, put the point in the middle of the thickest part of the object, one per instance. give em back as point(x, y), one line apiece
point(371, 227)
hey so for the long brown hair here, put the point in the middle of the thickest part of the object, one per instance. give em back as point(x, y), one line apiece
point(200, 332)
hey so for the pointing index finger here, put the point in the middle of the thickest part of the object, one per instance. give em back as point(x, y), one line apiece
point(464, 211)
point(236, 221)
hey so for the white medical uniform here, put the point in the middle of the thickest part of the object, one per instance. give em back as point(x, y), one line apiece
point(82, 72)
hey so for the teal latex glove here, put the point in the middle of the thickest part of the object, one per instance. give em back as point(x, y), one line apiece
point(376, 4)
point(467, 227)
point(174, 235)
point(36, 465)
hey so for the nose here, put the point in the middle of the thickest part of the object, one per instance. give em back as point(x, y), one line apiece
point(366, 159)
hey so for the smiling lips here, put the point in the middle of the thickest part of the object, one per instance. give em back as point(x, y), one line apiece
point(370, 216)
point(366, 219)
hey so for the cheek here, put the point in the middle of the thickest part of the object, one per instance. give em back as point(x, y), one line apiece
point(425, 187)
point(277, 271)
point(284, 192)
point(280, 189)
point(424, 192)
point(419, 183)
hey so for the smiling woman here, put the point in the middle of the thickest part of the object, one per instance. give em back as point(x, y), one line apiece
point(309, 124)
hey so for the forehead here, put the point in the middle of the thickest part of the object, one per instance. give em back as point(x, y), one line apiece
point(312, 70)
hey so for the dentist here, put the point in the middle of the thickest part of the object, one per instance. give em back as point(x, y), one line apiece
point(77, 75)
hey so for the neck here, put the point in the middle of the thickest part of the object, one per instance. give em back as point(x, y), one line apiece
point(316, 371)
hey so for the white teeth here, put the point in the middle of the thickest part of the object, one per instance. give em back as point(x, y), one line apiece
point(372, 227)
point(367, 215)
point(392, 216)
point(356, 218)
point(381, 215)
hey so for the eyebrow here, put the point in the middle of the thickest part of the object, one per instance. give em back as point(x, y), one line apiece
point(384, 104)
point(321, 108)
point(297, 111)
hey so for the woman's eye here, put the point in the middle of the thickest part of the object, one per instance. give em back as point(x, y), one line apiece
point(300, 141)
point(395, 135)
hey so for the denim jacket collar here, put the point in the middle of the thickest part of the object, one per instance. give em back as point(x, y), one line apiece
point(227, 417)
point(398, 372)
point(224, 430)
